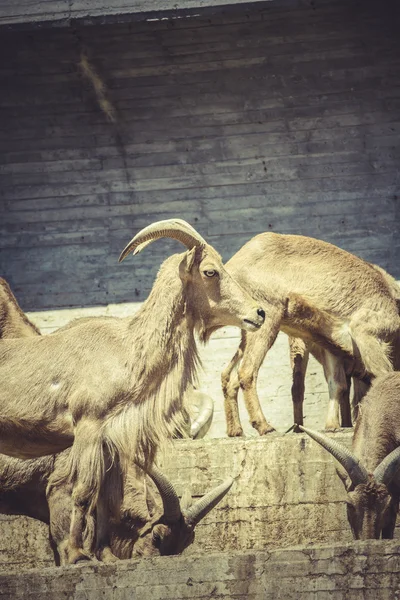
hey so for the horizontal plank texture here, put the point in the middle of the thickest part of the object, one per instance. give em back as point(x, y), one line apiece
point(282, 119)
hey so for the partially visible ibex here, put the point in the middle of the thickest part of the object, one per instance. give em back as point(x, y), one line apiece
point(326, 296)
point(299, 353)
point(152, 520)
point(13, 321)
point(371, 469)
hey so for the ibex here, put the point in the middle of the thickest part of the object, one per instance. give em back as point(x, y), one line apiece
point(13, 321)
point(299, 354)
point(152, 521)
point(371, 469)
point(112, 388)
point(326, 296)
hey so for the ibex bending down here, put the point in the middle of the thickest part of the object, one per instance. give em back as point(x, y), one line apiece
point(371, 470)
point(324, 295)
point(151, 522)
point(299, 354)
point(112, 388)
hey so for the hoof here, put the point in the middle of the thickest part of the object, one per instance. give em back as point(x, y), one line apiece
point(264, 429)
point(107, 556)
point(237, 432)
point(77, 556)
point(332, 428)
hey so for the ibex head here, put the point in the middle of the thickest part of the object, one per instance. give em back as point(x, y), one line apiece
point(214, 298)
point(371, 507)
point(173, 531)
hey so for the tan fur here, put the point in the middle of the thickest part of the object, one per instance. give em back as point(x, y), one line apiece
point(114, 388)
point(327, 297)
point(13, 321)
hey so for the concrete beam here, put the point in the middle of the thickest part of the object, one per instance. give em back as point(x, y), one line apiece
point(63, 11)
point(355, 571)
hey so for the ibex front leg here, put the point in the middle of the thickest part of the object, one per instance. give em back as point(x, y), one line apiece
point(230, 388)
point(256, 348)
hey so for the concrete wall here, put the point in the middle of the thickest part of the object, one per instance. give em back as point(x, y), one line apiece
point(357, 571)
point(281, 119)
point(286, 492)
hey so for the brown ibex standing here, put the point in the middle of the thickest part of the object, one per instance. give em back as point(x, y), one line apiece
point(371, 469)
point(326, 296)
point(112, 388)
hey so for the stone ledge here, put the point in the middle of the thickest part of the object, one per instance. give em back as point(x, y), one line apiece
point(353, 571)
point(286, 493)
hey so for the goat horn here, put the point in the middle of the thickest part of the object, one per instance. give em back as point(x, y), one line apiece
point(176, 229)
point(202, 422)
point(171, 505)
point(347, 459)
point(202, 507)
point(387, 469)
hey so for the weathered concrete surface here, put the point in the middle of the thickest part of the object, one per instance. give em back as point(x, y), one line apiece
point(286, 493)
point(354, 571)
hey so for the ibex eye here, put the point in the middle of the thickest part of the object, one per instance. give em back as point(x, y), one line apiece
point(210, 273)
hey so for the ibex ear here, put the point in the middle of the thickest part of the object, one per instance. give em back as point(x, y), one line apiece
point(187, 263)
point(342, 474)
point(186, 500)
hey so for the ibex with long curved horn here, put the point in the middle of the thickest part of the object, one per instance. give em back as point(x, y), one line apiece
point(370, 471)
point(112, 388)
point(152, 521)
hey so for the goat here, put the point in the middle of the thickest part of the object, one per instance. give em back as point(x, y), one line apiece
point(112, 388)
point(326, 296)
point(152, 520)
point(299, 353)
point(371, 469)
point(13, 321)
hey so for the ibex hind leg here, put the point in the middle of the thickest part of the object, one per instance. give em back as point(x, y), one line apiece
point(230, 389)
point(339, 398)
point(254, 354)
point(298, 363)
point(373, 343)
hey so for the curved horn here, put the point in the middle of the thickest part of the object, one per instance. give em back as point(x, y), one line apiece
point(176, 229)
point(171, 505)
point(202, 507)
point(387, 469)
point(202, 422)
point(357, 473)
